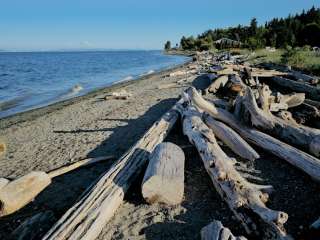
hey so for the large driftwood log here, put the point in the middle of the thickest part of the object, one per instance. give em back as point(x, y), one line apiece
point(310, 91)
point(18, 193)
point(163, 181)
point(98, 204)
point(302, 136)
point(233, 141)
point(243, 198)
point(294, 156)
point(216, 231)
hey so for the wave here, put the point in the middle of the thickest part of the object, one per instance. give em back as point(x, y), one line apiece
point(72, 91)
point(147, 73)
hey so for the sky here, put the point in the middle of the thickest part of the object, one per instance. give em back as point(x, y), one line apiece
point(126, 24)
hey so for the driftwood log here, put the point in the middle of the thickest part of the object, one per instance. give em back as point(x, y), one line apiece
point(298, 135)
point(294, 156)
point(163, 181)
point(243, 198)
point(233, 141)
point(98, 204)
point(216, 231)
point(18, 193)
point(310, 91)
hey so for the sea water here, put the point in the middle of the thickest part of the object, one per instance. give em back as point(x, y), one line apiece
point(30, 80)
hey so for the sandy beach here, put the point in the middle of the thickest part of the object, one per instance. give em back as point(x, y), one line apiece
point(90, 126)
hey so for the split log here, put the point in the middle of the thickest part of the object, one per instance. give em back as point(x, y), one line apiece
point(302, 136)
point(233, 141)
point(18, 193)
point(216, 231)
point(221, 81)
point(297, 158)
point(163, 181)
point(86, 219)
point(244, 199)
point(310, 91)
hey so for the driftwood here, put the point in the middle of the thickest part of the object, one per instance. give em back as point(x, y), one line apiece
point(297, 158)
point(163, 181)
point(98, 204)
point(16, 194)
point(243, 198)
point(233, 141)
point(303, 77)
point(310, 91)
point(278, 102)
point(219, 82)
point(121, 95)
point(3, 148)
point(312, 103)
point(305, 112)
point(236, 83)
point(302, 136)
point(216, 231)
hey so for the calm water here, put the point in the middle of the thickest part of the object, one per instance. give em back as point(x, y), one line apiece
point(30, 80)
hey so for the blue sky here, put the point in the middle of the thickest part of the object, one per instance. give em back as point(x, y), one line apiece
point(126, 24)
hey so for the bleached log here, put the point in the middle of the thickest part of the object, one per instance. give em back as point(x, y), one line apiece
point(17, 193)
point(233, 141)
point(302, 136)
point(216, 231)
point(86, 219)
point(163, 181)
point(3, 182)
point(310, 91)
point(294, 156)
point(242, 198)
point(219, 82)
point(292, 100)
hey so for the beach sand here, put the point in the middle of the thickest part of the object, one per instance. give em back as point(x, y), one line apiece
point(90, 126)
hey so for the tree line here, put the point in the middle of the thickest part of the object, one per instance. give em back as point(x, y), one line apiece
point(295, 31)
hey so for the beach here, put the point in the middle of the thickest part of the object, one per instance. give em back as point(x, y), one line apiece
point(91, 126)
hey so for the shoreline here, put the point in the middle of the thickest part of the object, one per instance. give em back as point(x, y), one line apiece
point(36, 112)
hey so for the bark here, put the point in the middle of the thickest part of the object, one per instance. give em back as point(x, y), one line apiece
point(163, 181)
point(86, 219)
point(216, 231)
point(244, 199)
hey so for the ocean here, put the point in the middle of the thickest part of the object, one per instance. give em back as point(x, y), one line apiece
point(30, 80)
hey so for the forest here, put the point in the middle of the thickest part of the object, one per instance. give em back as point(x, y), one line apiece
point(294, 31)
